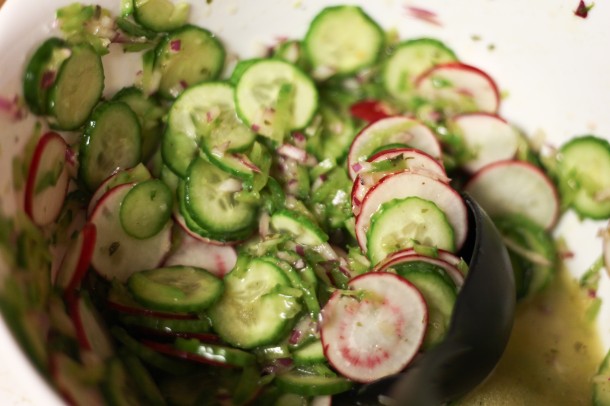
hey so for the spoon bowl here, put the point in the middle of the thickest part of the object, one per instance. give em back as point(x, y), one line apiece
point(480, 327)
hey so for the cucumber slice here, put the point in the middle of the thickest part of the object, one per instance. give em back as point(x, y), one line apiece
point(532, 251)
point(138, 173)
point(274, 97)
point(403, 223)
point(175, 288)
point(253, 311)
point(146, 209)
point(306, 384)
point(113, 127)
point(311, 353)
point(149, 113)
point(207, 110)
point(439, 292)
point(77, 88)
point(215, 354)
point(601, 387)
point(188, 56)
point(160, 15)
point(166, 325)
point(213, 208)
point(342, 40)
point(302, 229)
point(582, 167)
point(41, 72)
point(118, 386)
point(408, 60)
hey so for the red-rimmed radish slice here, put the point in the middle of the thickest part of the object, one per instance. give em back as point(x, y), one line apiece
point(442, 255)
point(69, 378)
point(371, 110)
point(516, 187)
point(216, 259)
point(414, 159)
point(77, 259)
point(47, 181)
point(91, 331)
point(138, 173)
point(376, 331)
point(410, 255)
point(466, 87)
point(406, 184)
point(488, 137)
point(117, 254)
point(396, 131)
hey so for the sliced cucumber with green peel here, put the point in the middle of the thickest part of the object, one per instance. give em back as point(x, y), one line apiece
point(77, 88)
point(254, 309)
point(439, 292)
point(160, 15)
point(408, 60)
point(275, 97)
point(583, 165)
point(343, 40)
point(41, 72)
point(212, 205)
point(207, 109)
point(112, 141)
point(311, 353)
point(176, 288)
point(166, 325)
point(149, 113)
point(307, 384)
point(187, 56)
point(403, 223)
point(302, 229)
point(215, 354)
point(146, 209)
point(601, 385)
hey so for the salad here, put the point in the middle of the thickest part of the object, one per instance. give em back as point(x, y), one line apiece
point(297, 221)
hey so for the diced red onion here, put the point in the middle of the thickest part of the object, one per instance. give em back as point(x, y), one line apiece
point(423, 15)
point(299, 249)
point(48, 77)
point(247, 162)
point(290, 151)
point(175, 45)
point(255, 127)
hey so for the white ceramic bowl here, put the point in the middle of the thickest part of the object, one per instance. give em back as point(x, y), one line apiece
point(552, 65)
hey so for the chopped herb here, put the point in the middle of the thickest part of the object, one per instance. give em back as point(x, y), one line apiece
point(113, 248)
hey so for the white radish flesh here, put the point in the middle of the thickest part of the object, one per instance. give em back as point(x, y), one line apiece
point(216, 259)
point(375, 332)
point(488, 137)
point(460, 85)
point(391, 130)
point(516, 187)
point(47, 181)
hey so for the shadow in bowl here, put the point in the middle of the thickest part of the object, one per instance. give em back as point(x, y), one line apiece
point(480, 327)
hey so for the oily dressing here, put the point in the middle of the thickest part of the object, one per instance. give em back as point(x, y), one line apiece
point(553, 353)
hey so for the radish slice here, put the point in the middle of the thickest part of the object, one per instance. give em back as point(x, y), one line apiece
point(460, 85)
point(516, 187)
point(47, 182)
point(416, 160)
point(76, 261)
point(488, 137)
point(375, 332)
point(117, 254)
point(91, 332)
point(405, 184)
point(216, 259)
point(409, 255)
point(399, 130)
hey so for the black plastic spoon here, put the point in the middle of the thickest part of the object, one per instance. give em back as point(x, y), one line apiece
point(480, 327)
